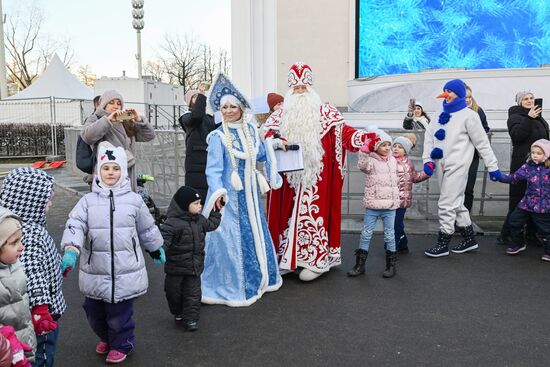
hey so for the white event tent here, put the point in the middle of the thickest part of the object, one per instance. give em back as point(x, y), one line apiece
point(55, 97)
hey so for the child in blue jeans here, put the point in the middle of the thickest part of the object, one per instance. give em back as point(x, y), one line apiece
point(381, 199)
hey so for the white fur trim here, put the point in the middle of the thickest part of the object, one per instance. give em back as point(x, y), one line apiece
point(208, 206)
point(244, 303)
point(254, 214)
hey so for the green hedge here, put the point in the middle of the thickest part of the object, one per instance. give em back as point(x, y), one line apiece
point(21, 140)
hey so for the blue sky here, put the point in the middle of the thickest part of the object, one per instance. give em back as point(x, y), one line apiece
point(101, 33)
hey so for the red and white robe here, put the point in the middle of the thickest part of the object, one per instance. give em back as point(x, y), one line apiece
point(305, 223)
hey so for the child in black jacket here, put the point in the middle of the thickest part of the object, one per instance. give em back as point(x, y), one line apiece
point(184, 231)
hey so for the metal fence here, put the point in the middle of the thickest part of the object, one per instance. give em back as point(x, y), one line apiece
point(164, 158)
point(43, 120)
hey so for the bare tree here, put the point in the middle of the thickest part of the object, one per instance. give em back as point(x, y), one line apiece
point(28, 52)
point(181, 63)
point(155, 69)
point(86, 76)
point(187, 62)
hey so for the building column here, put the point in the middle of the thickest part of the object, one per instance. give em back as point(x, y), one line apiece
point(254, 46)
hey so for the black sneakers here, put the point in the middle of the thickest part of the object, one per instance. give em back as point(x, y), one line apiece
point(468, 242)
point(441, 248)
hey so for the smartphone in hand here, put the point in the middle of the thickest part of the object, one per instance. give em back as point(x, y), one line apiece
point(538, 102)
point(412, 103)
point(124, 116)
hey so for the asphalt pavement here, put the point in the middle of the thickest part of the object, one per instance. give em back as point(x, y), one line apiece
point(477, 309)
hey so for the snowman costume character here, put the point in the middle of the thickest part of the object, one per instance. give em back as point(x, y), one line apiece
point(449, 146)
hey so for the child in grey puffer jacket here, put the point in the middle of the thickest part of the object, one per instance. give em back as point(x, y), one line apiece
point(15, 314)
point(105, 228)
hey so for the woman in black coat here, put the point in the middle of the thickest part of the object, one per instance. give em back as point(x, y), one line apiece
point(472, 172)
point(525, 126)
point(197, 124)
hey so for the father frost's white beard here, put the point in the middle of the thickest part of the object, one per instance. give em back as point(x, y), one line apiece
point(301, 125)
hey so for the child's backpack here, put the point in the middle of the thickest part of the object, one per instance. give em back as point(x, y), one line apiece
point(85, 158)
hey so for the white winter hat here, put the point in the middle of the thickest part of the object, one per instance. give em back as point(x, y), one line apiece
point(107, 153)
point(384, 137)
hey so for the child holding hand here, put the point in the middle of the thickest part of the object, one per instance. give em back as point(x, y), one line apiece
point(535, 204)
point(407, 175)
point(106, 228)
point(381, 199)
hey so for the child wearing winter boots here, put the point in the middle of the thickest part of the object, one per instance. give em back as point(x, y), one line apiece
point(184, 231)
point(535, 204)
point(407, 175)
point(381, 199)
point(106, 228)
point(28, 193)
point(15, 315)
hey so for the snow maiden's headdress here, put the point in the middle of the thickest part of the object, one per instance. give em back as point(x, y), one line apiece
point(221, 87)
point(224, 91)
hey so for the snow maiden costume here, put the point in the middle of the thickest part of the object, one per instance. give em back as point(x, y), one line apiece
point(451, 143)
point(240, 262)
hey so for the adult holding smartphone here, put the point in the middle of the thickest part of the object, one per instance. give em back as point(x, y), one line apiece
point(197, 124)
point(416, 118)
point(525, 126)
point(105, 125)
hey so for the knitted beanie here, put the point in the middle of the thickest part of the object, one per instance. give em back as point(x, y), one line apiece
point(108, 96)
point(107, 153)
point(407, 141)
point(384, 137)
point(9, 223)
point(185, 196)
point(521, 94)
point(273, 99)
point(457, 86)
point(543, 144)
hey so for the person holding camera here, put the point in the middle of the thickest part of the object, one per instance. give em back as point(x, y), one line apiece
point(197, 124)
point(120, 127)
point(525, 126)
point(416, 118)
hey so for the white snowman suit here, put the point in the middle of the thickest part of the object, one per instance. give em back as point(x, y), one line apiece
point(463, 133)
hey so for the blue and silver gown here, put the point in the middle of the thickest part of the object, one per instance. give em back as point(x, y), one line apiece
point(240, 262)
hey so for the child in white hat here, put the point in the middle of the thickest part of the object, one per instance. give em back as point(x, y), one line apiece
point(106, 229)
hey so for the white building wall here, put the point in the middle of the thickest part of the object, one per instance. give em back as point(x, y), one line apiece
point(321, 34)
point(268, 36)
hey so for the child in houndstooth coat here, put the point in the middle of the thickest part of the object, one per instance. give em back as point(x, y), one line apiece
point(28, 193)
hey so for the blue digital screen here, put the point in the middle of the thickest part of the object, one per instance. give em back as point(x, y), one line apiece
point(407, 36)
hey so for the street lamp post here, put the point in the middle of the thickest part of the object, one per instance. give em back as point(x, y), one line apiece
point(138, 24)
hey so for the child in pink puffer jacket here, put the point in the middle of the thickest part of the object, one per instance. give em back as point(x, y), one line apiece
point(407, 175)
point(381, 200)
